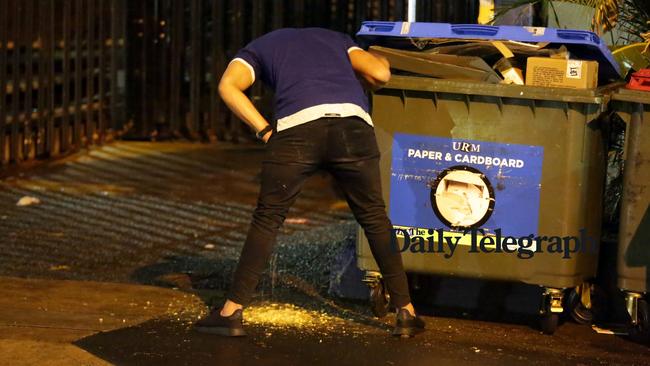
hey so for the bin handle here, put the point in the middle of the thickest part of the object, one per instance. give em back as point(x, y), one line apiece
point(577, 35)
point(380, 27)
point(475, 30)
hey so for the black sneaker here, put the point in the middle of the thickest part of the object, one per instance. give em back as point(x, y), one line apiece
point(407, 325)
point(214, 323)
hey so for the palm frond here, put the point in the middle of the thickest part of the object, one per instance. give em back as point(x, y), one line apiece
point(634, 20)
point(605, 17)
point(631, 16)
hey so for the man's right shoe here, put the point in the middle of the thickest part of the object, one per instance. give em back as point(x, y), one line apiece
point(407, 325)
point(214, 323)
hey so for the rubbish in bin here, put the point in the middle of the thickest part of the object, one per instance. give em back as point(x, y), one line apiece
point(640, 80)
point(438, 65)
point(453, 38)
point(560, 73)
point(631, 58)
point(510, 70)
point(508, 66)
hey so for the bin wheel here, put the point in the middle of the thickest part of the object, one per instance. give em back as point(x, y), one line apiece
point(640, 332)
point(548, 323)
point(379, 300)
point(579, 312)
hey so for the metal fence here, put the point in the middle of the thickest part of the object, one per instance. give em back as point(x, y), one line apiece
point(61, 75)
point(79, 72)
point(181, 47)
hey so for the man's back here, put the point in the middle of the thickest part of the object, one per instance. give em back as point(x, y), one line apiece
point(305, 67)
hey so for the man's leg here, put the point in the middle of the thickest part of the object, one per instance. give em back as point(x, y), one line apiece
point(292, 156)
point(280, 186)
point(361, 185)
point(353, 159)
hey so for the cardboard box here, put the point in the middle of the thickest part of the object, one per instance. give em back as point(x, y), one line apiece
point(561, 73)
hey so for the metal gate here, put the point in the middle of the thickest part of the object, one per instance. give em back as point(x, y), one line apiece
point(180, 48)
point(79, 72)
point(61, 76)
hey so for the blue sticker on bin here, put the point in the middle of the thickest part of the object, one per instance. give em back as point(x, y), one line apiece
point(457, 184)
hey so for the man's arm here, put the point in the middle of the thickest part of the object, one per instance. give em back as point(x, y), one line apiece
point(373, 68)
point(235, 80)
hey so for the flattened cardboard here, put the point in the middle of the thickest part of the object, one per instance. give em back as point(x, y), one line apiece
point(439, 66)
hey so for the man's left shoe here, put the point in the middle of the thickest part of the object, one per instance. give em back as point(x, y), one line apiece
point(214, 323)
point(407, 325)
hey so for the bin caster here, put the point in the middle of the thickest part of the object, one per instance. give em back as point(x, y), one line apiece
point(379, 298)
point(550, 310)
point(581, 302)
point(637, 308)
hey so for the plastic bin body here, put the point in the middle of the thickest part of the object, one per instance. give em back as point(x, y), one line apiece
point(633, 259)
point(558, 122)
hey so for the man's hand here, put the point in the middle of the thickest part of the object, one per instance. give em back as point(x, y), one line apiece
point(267, 136)
point(372, 68)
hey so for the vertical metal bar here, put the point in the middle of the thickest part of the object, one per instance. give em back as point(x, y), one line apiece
point(437, 13)
point(361, 12)
point(213, 69)
point(412, 6)
point(399, 9)
point(383, 13)
point(298, 13)
point(41, 77)
point(51, 39)
point(155, 52)
point(77, 136)
point(195, 71)
point(90, 72)
point(145, 84)
point(121, 80)
point(28, 144)
point(342, 16)
point(4, 50)
point(164, 64)
point(176, 74)
point(112, 87)
point(101, 75)
point(15, 76)
point(278, 14)
point(220, 42)
point(120, 44)
point(65, 97)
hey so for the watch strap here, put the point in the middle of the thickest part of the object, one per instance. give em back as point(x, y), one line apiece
point(260, 135)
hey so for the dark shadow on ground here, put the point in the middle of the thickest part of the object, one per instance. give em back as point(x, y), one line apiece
point(447, 342)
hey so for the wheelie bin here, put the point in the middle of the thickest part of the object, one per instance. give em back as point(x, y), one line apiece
point(633, 252)
point(471, 163)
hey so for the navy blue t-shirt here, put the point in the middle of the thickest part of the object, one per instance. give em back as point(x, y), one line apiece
point(306, 67)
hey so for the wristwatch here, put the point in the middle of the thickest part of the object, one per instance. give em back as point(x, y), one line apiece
point(260, 135)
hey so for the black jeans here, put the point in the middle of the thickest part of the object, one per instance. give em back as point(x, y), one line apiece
point(347, 148)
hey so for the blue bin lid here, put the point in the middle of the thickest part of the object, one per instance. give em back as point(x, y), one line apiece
point(582, 44)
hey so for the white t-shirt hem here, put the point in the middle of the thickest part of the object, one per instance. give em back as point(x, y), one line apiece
point(323, 110)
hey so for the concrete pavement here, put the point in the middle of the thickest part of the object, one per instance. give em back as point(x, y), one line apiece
point(41, 319)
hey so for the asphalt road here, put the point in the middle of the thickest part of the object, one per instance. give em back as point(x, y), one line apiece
point(174, 215)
